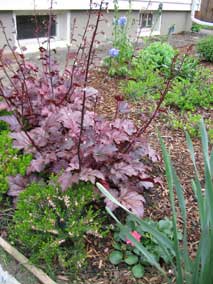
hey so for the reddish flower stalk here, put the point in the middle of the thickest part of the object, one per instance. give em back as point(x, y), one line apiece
point(168, 83)
point(86, 79)
point(19, 65)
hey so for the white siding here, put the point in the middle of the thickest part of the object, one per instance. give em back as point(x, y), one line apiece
point(169, 5)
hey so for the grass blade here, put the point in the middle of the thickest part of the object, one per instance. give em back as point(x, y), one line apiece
point(169, 175)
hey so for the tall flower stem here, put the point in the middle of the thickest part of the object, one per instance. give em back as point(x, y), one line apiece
point(86, 80)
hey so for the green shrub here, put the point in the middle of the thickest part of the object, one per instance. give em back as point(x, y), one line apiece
point(188, 68)
point(143, 82)
point(157, 54)
point(196, 27)
point(49, 225)
point(11, 161)
point(205, 48)
point(150, 68)
point(188, 95)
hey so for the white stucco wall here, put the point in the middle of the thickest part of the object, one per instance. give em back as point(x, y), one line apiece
point(181, 20)
point(169, 5)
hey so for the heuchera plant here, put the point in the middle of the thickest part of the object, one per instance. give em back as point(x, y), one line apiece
point(55, 119)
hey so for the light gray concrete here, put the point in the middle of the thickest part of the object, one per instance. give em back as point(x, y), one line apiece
point(6, 278)
point(181, 20)
point(6, 17)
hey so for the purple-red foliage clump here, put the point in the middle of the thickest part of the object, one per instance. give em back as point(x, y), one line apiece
point(55, 118)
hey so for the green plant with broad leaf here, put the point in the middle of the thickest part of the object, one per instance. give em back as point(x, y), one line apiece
point(196, 270)
point(125, 252)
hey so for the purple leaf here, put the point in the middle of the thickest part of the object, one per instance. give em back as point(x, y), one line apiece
point(16, 185)
point(123, 107)
point(12, 121)
point(102, 152)
point(3, 106)
point(37, 165)
point(21, 141)
point(133, 201)
point(65, 180)
point(90, 175)
point(39, 136)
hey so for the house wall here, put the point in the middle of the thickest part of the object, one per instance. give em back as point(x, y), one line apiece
point(6, 17)
point(181, 20)
point(169, 5)
point(105, 29)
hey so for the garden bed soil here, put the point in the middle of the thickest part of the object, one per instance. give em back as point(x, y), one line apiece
point(99, 270)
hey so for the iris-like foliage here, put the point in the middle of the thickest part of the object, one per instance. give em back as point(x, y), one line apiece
point(187, 270)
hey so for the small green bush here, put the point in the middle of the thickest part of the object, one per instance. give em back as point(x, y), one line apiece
point(157, 54)
point(152, 65)
point(188, 68)
point(143, 82)
point(49, 225)
point(188, 95)
point(205, 48)
point(11, 161)
point(196, 27)
point(190, 122)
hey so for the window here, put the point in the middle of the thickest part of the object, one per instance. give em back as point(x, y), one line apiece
point(29, 26)
point(146, 20)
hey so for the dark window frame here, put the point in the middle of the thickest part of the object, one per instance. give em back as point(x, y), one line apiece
point(32, 27)
point(146, 20)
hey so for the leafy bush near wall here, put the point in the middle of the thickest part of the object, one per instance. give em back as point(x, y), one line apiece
point(144, 75)
point(152, 65)
point(12, 162)
point(191, 87)
point(157, 54)
point(49, 225)
point(196, 27)
point(143, 82)
point(205, 48)
point(188, 95)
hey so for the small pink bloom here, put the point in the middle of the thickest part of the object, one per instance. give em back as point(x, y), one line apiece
point(136, 235)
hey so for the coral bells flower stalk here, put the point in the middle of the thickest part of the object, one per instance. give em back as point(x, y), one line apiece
point(113, 52)
point(136, 235)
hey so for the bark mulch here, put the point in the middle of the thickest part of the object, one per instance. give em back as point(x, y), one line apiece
point(158, 205)
point(99, 270)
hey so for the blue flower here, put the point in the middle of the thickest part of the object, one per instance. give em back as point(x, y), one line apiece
point(122, 21)
point(113, 52)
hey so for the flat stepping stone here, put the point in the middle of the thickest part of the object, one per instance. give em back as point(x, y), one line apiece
point(6, 278)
